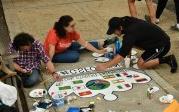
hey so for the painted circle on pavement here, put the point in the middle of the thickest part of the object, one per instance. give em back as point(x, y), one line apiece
point(97, 84)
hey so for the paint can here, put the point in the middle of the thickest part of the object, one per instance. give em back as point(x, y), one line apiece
point(109, 55)
point(58, 101)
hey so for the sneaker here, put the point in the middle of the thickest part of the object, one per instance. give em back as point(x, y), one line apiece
point(174, 28)
point(157, 21)
point(173, 63)
point(147, 18)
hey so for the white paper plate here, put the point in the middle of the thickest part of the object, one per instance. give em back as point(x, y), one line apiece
point(38, 93)
point(102, 59)
point(166, 99)
point(96, 55)
point(109, 49)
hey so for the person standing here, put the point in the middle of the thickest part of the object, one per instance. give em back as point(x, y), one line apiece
point(160, 7)
point(150, 6)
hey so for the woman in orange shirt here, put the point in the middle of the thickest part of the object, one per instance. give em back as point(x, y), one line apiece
point(63, 42)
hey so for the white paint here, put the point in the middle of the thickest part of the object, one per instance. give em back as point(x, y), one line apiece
point(82, 70)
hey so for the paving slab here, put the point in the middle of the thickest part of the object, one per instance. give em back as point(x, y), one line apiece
point(91, 16)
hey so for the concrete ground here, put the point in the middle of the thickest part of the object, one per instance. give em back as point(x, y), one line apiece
point(91, 16)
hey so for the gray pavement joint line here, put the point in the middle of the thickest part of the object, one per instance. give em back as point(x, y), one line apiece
point(85, 16)
point(44, 6)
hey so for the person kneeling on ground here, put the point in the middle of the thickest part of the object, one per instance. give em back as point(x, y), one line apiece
point(27, 64)
point(63, 42)
point(143, 35)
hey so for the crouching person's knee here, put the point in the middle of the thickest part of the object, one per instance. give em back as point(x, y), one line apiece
point(140, 64)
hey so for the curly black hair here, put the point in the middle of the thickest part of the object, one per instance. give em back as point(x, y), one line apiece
point(64, 21)
point(22, 39)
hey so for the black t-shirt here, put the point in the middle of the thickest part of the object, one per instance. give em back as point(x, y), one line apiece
point(141, 34)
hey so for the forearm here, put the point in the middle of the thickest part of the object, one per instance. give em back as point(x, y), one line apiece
point(114, 62)
point(87, 45)
point(51, 54)
point(50, 67)
point(51, 51)
point(90, 47)
point(17, 67)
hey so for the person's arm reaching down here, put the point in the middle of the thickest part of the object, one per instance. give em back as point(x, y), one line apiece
point(18, 68)
point(88, 46)
point(104, 66)
point(51, 51)
point(48, 62)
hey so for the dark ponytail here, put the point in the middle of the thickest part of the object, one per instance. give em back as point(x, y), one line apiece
point(64, 21)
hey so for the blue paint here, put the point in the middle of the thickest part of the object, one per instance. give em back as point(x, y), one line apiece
point(73, 109)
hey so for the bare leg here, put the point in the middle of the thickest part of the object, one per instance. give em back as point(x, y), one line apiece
point(132, 8)
point(151, 8)
point(149, 64)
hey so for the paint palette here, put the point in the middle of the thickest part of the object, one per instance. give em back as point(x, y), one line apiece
point(102, 59)
point(38, 93)
point(92, 84)
point(96, 55)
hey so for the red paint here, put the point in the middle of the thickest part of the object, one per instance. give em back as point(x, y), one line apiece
point(52, 93)
point(85, 93)
point(125, 74)
point(127, 85)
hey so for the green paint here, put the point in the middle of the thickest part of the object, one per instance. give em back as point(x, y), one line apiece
point(97, 84)
point(64, 87)
point(119, 86)
point(77, 82)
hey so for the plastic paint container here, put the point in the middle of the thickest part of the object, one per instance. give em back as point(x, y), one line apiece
point(58, 101)
point(109, 55)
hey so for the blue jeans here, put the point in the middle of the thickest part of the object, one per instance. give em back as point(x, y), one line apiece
point(30, 79)
point(2, 74)
point(72, 54)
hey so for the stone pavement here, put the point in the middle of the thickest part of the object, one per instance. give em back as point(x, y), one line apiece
point(38, 16)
